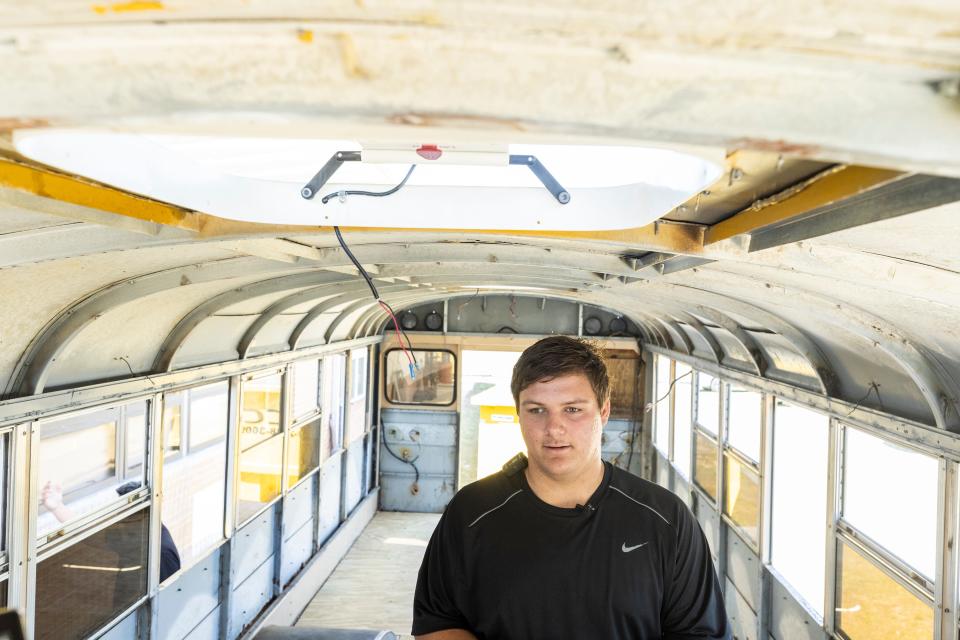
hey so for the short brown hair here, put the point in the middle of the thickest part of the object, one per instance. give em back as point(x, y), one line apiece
point(557, 356)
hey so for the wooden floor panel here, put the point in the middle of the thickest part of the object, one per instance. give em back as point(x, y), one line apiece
point(372, 588)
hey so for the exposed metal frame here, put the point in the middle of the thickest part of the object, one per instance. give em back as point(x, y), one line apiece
point(61, 401)
point(757, 359)
point(801, 343)
point(700, 329)
point(940, 592)
point(31, 371)
point(181, 332)
point(926, 436)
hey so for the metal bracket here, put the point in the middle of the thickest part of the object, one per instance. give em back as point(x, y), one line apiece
point(554, 187)
point(326, 172)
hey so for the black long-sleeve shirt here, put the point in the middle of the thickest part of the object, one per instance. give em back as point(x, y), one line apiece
point(631, 564)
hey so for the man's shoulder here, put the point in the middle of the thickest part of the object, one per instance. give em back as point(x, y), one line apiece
point(648, 495)
point(481, 496)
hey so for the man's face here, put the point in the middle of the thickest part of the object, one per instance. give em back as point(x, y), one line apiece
point(561, 424)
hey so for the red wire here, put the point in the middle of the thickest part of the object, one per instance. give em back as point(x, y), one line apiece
point(396, 328)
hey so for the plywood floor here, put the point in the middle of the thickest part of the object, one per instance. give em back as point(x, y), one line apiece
point(372, 588)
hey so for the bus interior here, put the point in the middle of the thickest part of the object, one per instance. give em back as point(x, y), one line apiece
point(266, 268)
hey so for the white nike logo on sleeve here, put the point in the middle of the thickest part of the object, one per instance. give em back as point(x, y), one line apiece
point(627, 549)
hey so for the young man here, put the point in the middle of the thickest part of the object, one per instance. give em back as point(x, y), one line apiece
point(561, 544)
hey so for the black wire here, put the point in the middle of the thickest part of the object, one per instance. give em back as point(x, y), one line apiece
point(402, 332)
point(372, 194)
point(356, 263)
point(873, 387)
point(412, 463)
point(675, 381)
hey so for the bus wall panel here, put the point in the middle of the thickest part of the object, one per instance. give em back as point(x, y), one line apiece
point(298, 506)
point(208, 629)
point(353, 475)
point(330, 488)
point(743, 568)
point(187, 601)
point(789, 620)
point(431, 496)
point(126, 629)
point(297, 550)
point(251, 596)
point(710, 524)
point(681, 487)
point(429, 439)
point(615, 441)
point(743, 620)
point(663, 471)
point(253, 544)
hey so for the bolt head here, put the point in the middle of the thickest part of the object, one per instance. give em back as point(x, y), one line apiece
point(564, 197)
point(306, 192)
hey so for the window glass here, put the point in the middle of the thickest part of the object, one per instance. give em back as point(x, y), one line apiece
point(4, 466)
point(358, 374)
point(259, 476)
point(135, 442)
point(209, 413)
point(742, 493)
point(334, 388)
point(872, 605)
point(661, 408)
point(172, 421)
point(86, 585)
point(72, 486)
point(705, 469)
point(682, 410)
point(878, 475)
point(306, 385)
point(743, 430)
point(194, 483)
point(260, 410)
point(799, 501)
point(708, 403)
point(433, 384)
point(303, 451)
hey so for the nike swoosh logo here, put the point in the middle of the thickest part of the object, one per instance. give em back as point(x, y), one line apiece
point(627, 549)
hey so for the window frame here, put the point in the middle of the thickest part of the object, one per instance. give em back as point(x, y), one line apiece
point(79, 420)
point(456, 380)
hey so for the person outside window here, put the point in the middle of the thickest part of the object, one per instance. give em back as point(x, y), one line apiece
point(52, 498)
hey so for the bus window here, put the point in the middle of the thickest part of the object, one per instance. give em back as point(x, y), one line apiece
point(662, 405)
point(682, 414)
point(434, 384)
point(799, 504)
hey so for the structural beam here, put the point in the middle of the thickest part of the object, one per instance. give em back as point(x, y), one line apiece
point(831, 186)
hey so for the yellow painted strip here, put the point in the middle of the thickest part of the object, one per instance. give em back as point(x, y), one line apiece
point(128, 7)
point(58, 186)
point(839, 185)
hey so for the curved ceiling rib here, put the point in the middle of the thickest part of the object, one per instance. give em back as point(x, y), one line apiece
point(175, 339)
point(933, 381)
point(30, 373)
point(694, 323)
point(278, 307)
point(674, 328)
point(743, 338)
point(806, 347)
